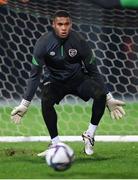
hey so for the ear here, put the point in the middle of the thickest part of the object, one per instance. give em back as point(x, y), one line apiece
point(71, 23)
point(53, 24)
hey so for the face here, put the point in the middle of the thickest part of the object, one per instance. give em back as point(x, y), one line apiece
point(62, 26)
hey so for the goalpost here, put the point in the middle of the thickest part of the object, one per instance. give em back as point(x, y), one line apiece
point(113, 37)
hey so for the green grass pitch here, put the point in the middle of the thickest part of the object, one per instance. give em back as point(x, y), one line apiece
point(110, 161)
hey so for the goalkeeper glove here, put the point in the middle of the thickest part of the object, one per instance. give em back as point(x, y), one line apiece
point(115, 107)
point(19, 111)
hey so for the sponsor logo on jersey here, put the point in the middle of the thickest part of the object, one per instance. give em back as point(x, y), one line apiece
point(52, 53)
point(72, 52)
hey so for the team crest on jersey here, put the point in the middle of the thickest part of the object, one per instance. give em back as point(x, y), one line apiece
point(72, 52)
point(52, 53)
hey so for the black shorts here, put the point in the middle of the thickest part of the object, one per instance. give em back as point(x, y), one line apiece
point(85, 87)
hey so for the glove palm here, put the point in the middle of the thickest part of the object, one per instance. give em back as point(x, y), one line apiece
point(115, 107)
point(19, 111)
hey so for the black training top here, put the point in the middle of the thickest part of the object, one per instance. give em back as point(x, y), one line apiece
point(63, 59)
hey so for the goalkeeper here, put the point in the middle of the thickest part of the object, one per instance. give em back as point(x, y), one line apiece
point(63, 52)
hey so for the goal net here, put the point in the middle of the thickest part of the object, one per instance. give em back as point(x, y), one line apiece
point(113, 37)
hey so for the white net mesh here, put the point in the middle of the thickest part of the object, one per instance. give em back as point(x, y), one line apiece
point(113, 37)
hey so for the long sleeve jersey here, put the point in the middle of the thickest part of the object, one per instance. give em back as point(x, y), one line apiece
point(62, 58)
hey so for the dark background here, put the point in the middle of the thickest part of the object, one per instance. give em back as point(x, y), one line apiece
point(111, 33)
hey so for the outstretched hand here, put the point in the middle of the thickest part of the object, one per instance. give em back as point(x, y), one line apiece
point(16, 118)
point(115, 107)
point(19, 111)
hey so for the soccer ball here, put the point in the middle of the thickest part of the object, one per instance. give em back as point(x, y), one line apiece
point(60, 156)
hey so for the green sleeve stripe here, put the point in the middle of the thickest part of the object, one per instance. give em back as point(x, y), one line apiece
point(35, 62)
point(92, 60)
point(62, 51)
point(129, 3)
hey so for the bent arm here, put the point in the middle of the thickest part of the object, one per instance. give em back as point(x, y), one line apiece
point(33, 82)
point(37, 65)
point(91, 66)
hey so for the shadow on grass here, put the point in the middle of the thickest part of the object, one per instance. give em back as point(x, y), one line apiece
point(94, 158)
